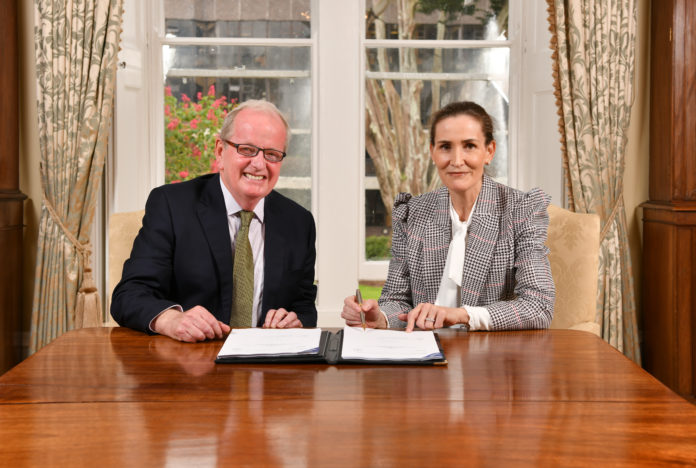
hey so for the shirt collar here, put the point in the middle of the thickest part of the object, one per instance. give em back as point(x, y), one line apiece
point(233, 207)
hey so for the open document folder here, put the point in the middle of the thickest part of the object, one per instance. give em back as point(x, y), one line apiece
point(350, 345)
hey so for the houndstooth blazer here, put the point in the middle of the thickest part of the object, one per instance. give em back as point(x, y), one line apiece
point(506, 268)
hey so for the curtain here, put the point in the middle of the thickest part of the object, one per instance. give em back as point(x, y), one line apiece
point(76, 46)
point(593, 44)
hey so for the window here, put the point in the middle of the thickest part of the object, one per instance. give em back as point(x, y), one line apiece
point(418, 60)
point(214, 58)
point(323, 63)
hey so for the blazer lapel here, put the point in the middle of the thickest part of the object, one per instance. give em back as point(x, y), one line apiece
point(212, 215)
point(480, 243)
point(436, 244)
point(274, 250)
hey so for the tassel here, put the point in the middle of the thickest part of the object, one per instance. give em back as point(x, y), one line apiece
point(88, 308)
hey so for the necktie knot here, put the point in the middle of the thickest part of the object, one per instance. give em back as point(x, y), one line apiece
point(247, 216)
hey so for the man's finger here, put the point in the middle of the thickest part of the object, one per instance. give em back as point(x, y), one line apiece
point(279, 315)
point(269, 317)
point(217, 329)
point(203, 327)
point(195, 333)
point(289, 321)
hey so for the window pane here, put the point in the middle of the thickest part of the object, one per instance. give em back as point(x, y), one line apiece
point(464, 20)
point(215, 60)
point(197, 100)
point(491, 61)
point(397, 142)
point(238, 18)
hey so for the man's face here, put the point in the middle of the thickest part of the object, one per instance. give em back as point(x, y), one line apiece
point(249, 179)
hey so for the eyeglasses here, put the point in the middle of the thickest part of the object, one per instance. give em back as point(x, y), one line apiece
point(249, 151)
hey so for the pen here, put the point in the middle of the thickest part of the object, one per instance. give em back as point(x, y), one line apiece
point(358, 297)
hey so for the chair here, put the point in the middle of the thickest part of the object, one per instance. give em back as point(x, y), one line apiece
point(573, 241)
point(123, 227)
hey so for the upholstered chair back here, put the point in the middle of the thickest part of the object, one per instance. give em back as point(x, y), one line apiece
point(573, 241)
point(123, 227)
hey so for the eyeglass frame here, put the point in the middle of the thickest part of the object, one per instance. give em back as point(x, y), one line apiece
point(263, 150)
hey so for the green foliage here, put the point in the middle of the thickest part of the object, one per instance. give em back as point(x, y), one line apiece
point(189, 134)
point(454, 8)
point(451, 8)
point(370, 292)
point(377, 247)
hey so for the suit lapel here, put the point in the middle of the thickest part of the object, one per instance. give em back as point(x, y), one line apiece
point(212, 215)
point(436, 244)
point(274, 250)
point(480, 243)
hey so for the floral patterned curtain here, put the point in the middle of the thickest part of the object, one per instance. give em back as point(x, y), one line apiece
point(593, 44)
point(76, 45)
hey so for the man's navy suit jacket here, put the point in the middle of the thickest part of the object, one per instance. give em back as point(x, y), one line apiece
point(183, 255)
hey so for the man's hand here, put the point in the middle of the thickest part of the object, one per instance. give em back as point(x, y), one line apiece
point(281, 318)
point(374, 318)
point(195, 324)
point(429, 317)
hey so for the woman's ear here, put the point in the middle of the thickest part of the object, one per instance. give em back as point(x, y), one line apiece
point(490, 149)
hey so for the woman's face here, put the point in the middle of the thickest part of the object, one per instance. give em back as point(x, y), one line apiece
point(460, 153)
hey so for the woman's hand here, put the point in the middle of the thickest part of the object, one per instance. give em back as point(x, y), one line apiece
point(429, 317)
point(374, 318)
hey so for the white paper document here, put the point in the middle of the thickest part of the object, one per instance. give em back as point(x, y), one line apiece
point(271, 342)
point(372, 344)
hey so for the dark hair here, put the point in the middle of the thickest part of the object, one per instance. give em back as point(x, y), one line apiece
point(469, 108)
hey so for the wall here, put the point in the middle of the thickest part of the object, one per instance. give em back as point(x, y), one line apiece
point(29, 181)
point(637, 149)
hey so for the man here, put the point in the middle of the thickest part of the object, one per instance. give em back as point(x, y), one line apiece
point(223, 248)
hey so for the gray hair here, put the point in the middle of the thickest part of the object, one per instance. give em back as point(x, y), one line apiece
point(258, 105)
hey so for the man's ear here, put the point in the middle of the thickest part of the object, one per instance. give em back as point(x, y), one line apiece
point(219, 146)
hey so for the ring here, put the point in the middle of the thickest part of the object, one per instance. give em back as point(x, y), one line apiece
point(429, 319)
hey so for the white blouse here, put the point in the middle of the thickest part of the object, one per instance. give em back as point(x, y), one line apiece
point(451, 282)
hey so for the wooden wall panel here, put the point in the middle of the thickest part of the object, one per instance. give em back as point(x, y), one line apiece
point(661, 118)
point(687, 100)
point(11, 199)
point(669, 295)
point(669, 217)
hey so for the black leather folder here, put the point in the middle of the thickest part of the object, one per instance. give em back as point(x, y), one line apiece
point(329, 352)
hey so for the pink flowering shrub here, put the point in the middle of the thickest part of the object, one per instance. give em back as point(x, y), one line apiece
point(189, 134)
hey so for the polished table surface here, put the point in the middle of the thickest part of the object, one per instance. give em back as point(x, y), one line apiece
point(116, 397)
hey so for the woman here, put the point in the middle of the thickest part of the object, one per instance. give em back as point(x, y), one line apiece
point(471, 253)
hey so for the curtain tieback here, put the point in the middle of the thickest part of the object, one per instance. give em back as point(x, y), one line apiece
point(610, 220)
point(87, 311)
point(85, 250)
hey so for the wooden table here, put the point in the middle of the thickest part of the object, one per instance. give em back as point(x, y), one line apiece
point(115, 397)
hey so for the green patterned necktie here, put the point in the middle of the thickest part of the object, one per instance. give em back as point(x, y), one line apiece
point(243, 278)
